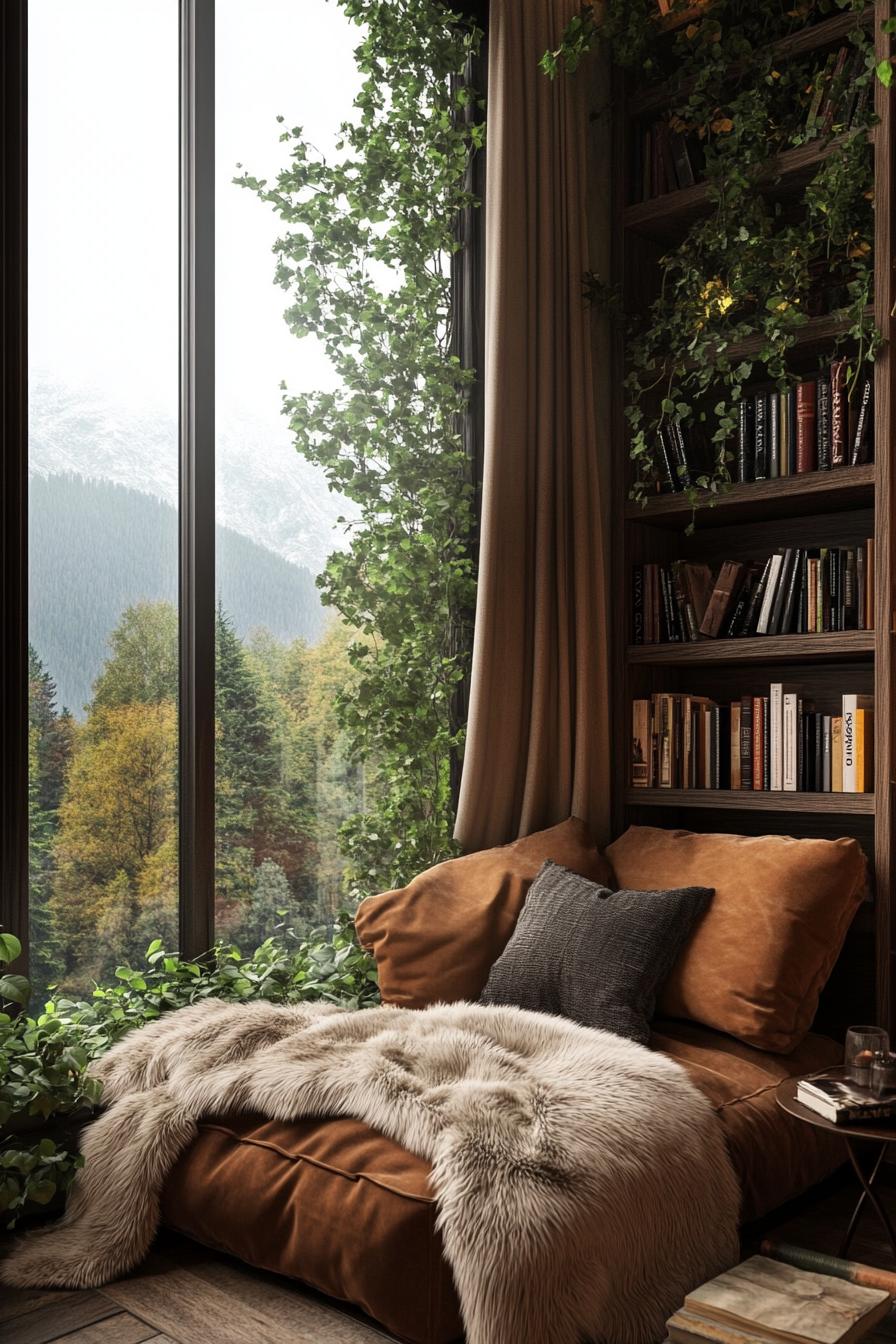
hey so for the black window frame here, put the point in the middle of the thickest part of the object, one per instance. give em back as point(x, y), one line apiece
point(196, 434)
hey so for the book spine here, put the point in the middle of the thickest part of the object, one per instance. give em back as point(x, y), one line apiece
point(766, 754)
point(849, 743)
point(734, 752)
point(774, 436)
point(789, 746)
point(838, 413)
point(754, 607)
point(640, 759)
point(864, 751)
point(746, 742)
point(790, 606)
point(666, 473)
point(776, 735)
point(760, 462)
point(837, 754)
point(823, 424)
point(746, 440)
point(758, 740)
point(769, 596)
point(805, 426)
point(781, 590)
point(638, 605)
point(817, 1262)
point(860, 441)
point(826, 753)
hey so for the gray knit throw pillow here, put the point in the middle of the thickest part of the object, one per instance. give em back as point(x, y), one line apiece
point(591, 954)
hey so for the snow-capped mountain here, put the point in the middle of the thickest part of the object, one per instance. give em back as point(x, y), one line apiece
point(264, 489)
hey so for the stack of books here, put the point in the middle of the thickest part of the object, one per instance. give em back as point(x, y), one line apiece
point(763, 1301)
point(798, 590)
point(774, 742)
point(812, 426)
point(835, 1098)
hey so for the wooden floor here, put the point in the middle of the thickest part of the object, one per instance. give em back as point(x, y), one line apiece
point(185, 1294)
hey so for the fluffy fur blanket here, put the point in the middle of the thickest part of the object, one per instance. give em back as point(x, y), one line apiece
point(582, 1181)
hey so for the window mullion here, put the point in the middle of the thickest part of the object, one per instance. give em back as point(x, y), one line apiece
point(197, 475)
point(14, 470)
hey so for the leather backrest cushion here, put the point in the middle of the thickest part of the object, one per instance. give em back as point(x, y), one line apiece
point(436, 939)
point(759, 958)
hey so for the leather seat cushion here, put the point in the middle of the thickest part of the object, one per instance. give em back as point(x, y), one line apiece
point(349, 1212)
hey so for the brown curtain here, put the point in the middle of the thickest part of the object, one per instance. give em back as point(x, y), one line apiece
point(537, 747)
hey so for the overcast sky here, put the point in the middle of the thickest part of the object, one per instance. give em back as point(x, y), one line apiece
point(103, 190)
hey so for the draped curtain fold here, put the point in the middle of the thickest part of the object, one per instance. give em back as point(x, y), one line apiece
point(538, 730)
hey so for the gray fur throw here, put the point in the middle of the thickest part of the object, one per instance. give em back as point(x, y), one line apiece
point(582, 1181)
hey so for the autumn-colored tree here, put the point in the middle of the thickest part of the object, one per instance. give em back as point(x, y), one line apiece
point(119, 809)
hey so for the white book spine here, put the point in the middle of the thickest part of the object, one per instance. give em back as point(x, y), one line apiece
point(789, 730)
point(775, 736)
point(768, 596)
point(850, 705)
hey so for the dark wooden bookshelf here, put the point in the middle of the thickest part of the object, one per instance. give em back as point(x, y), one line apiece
point(655, 98)
point(844, 489)
point(746, 800)
point(662, 217)
point(841, 507)
point(843, 645)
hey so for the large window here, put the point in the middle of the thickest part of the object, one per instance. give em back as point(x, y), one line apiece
point(236, 639)
point(103, 483)
point(283, 785)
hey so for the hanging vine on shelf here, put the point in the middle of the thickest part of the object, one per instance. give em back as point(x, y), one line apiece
point(749, 269)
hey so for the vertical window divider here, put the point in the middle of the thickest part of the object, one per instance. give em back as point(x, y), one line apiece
point(196, 707)
point(14, 469)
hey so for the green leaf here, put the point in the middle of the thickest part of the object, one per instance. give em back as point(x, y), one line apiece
point(884, 72)
point(15, 988)
point(10, 948)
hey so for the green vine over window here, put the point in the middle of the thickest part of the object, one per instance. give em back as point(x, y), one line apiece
point(751, 266)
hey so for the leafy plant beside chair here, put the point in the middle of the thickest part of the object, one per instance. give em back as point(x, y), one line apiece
point(46, 1092)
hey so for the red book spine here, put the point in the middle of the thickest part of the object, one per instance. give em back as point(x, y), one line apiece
point(806, 445)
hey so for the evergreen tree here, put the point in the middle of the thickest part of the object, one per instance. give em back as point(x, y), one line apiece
point(50, 747)
point(254, 818)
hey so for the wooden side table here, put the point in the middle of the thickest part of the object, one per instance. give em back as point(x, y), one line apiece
point(881, 1135)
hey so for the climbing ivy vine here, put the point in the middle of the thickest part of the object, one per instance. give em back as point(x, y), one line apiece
point(749, 267)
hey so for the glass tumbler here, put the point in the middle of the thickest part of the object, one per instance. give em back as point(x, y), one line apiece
point(862, 1044)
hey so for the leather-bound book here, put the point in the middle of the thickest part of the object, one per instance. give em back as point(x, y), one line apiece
point(723, 597)
point(839, 414)
point(806, 445)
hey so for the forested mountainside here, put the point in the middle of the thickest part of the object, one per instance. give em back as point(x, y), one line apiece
point(97, 548)
point(263, 487)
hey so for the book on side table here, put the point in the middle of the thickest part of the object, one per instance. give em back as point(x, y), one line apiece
point(763, 1301)
point(841, 1102)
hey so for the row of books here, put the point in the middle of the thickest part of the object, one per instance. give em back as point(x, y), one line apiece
point(772, 742)
point(796, 591)
point(814, 426)
point(839, 102)
point(669, 157)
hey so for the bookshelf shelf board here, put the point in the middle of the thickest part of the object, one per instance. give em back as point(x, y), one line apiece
point(843, 646)
point(789, 496)
point(664, 215)
point(745, 800)
point(801, 43)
